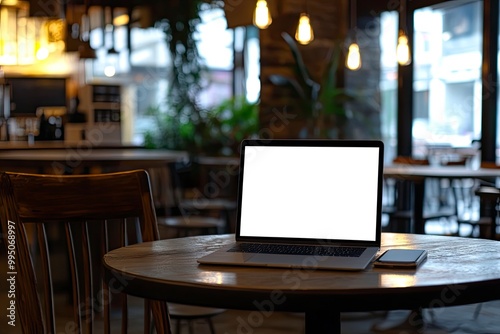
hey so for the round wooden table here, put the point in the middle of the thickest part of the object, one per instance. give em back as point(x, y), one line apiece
point(458, 271)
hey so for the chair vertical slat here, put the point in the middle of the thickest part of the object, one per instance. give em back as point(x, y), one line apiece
point(87, 274)
point(123, 234)
point(77, 316)
point(30, 314)
point(138, 232)
point(47, 273)
point(105, 287)
point(160, 316)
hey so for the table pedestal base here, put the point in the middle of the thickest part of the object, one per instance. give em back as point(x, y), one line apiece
point(323, 321)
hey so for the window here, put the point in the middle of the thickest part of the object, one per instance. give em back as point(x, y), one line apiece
point(389, 81)
point(447, 75)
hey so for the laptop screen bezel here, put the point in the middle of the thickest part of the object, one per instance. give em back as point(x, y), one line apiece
point(311, 143)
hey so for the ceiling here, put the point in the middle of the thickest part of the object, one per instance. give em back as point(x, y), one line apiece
point(151, 11)
point(154, 9)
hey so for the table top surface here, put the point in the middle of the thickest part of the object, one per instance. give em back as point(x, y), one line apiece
point(88, 153)
point(167, 269)
point(439, 171)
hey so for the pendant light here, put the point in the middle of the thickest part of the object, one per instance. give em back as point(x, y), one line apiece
point(85, 51)
point(353, 61)
point(403, 50)
point(262, 16)
point(304, 34)
point(403, 54)
point(112, 57)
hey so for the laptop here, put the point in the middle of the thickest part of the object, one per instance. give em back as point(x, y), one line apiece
point(307, 204)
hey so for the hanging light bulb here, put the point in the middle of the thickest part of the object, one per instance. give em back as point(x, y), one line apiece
point(353, 61)
point(262, 15)
point(304, 34)
point(403, 50)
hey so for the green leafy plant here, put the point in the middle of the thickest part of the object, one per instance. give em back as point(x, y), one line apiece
point(217, 131)
point(170, 131)
point(232, 121)
point(318, 99)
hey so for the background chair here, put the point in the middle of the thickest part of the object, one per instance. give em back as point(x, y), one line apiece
point(490, 202)
point(192, 213)
point(89, 215)
point(397, 207)
point(196, 209)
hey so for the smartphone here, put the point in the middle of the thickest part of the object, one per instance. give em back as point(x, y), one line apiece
point(401, 258)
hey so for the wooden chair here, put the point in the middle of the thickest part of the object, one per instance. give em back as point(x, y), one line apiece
point(90, 215)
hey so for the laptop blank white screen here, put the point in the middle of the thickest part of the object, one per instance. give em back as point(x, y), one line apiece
point(310, 192)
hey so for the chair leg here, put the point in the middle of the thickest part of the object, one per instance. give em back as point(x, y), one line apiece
point(211, 326)
point(478, 310)
point(178, 326)
point(190, 325)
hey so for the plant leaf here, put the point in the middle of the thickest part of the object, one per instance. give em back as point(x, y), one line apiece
point(281, 80)
point(299, 61)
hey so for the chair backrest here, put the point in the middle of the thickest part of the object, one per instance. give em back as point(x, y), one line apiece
point(94, 214)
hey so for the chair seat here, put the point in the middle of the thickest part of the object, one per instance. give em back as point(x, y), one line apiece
point(180, 312)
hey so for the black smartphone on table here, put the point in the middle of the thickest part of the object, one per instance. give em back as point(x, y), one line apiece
point(401, 258)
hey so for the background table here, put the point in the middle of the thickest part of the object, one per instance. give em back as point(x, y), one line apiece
point(83, 159)
point(418, 174)
point(458, 271)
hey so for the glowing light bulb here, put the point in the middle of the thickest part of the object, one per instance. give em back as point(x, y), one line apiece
point(304, 34)
point(262, 16)
point(403, 50)
point(353, 61)
point(109, 71)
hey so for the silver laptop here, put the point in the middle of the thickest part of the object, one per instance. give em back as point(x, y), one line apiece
point(307, 204)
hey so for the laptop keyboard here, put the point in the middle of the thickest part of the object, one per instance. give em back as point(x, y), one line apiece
point(298, 249)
